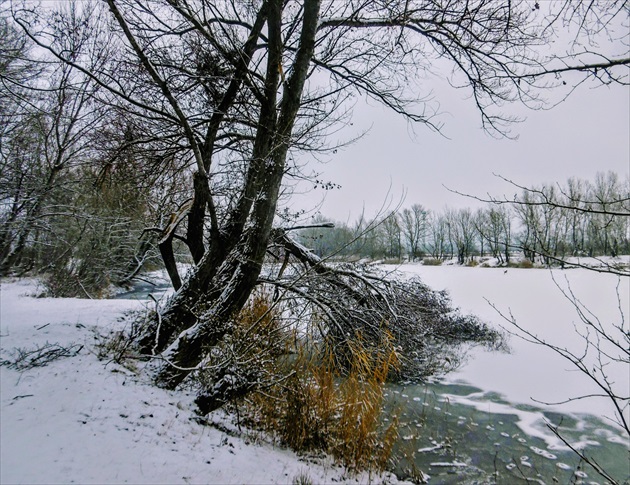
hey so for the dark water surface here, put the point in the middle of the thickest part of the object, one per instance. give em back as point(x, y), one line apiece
point(459, 434)
point(142, 289)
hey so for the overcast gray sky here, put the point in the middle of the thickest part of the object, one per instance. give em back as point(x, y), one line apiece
point(587, 133)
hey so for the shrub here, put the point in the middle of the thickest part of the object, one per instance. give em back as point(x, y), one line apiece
point(431, 262)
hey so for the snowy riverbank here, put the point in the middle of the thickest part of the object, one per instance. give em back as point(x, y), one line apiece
point(83, 420)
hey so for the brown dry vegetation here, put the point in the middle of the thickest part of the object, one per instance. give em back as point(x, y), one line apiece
point(303, 399)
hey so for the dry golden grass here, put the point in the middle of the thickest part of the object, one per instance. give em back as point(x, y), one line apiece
point(314, 407)
point(361, 441)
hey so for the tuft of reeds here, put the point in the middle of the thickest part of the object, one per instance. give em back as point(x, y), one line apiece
point(362, 442)
point(319, 407)
point(526, 264)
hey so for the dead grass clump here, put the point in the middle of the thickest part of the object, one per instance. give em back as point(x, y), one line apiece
point(432, 262)
point(259, 329)
point(302, 479)
point(526, 264)
point(362, 442)
point(316, 408)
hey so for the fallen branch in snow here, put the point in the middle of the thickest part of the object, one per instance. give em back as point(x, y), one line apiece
point(40, 356)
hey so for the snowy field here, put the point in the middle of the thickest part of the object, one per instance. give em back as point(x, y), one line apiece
point(83, 420)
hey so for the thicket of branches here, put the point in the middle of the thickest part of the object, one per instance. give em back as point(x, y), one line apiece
point(74, 198)
point(549, 224)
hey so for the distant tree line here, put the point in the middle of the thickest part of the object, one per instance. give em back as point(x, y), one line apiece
point(547, 224)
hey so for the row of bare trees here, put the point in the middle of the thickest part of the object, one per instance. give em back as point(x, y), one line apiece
point(549, 223)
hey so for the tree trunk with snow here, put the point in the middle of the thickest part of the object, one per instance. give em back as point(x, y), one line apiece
point(201, 311)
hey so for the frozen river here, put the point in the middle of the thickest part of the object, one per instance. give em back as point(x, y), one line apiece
point(487, 421)
point(493, 404)
point(531, 372)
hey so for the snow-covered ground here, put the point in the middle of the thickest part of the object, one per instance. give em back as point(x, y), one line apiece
point(84, 420)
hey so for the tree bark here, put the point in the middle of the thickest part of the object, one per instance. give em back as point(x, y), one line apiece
point(202, 309)
point(168, 257)
point(196, 217)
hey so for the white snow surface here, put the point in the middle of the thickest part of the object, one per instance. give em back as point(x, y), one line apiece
point(532, 374)
point(84, 420)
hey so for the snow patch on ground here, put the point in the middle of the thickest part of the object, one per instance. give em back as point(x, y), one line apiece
point(84, 420)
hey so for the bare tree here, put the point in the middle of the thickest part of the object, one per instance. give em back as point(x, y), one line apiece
point(494, 227)
point(48, 141)
point(461, 232)
point(439, 242)
point(580, 219)
point(236, 90)
point(413, 223)
point(392, 236)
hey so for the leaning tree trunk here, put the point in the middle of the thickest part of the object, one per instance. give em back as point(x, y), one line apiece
point(229, 290)
point(202, 309)
point(225, 283)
